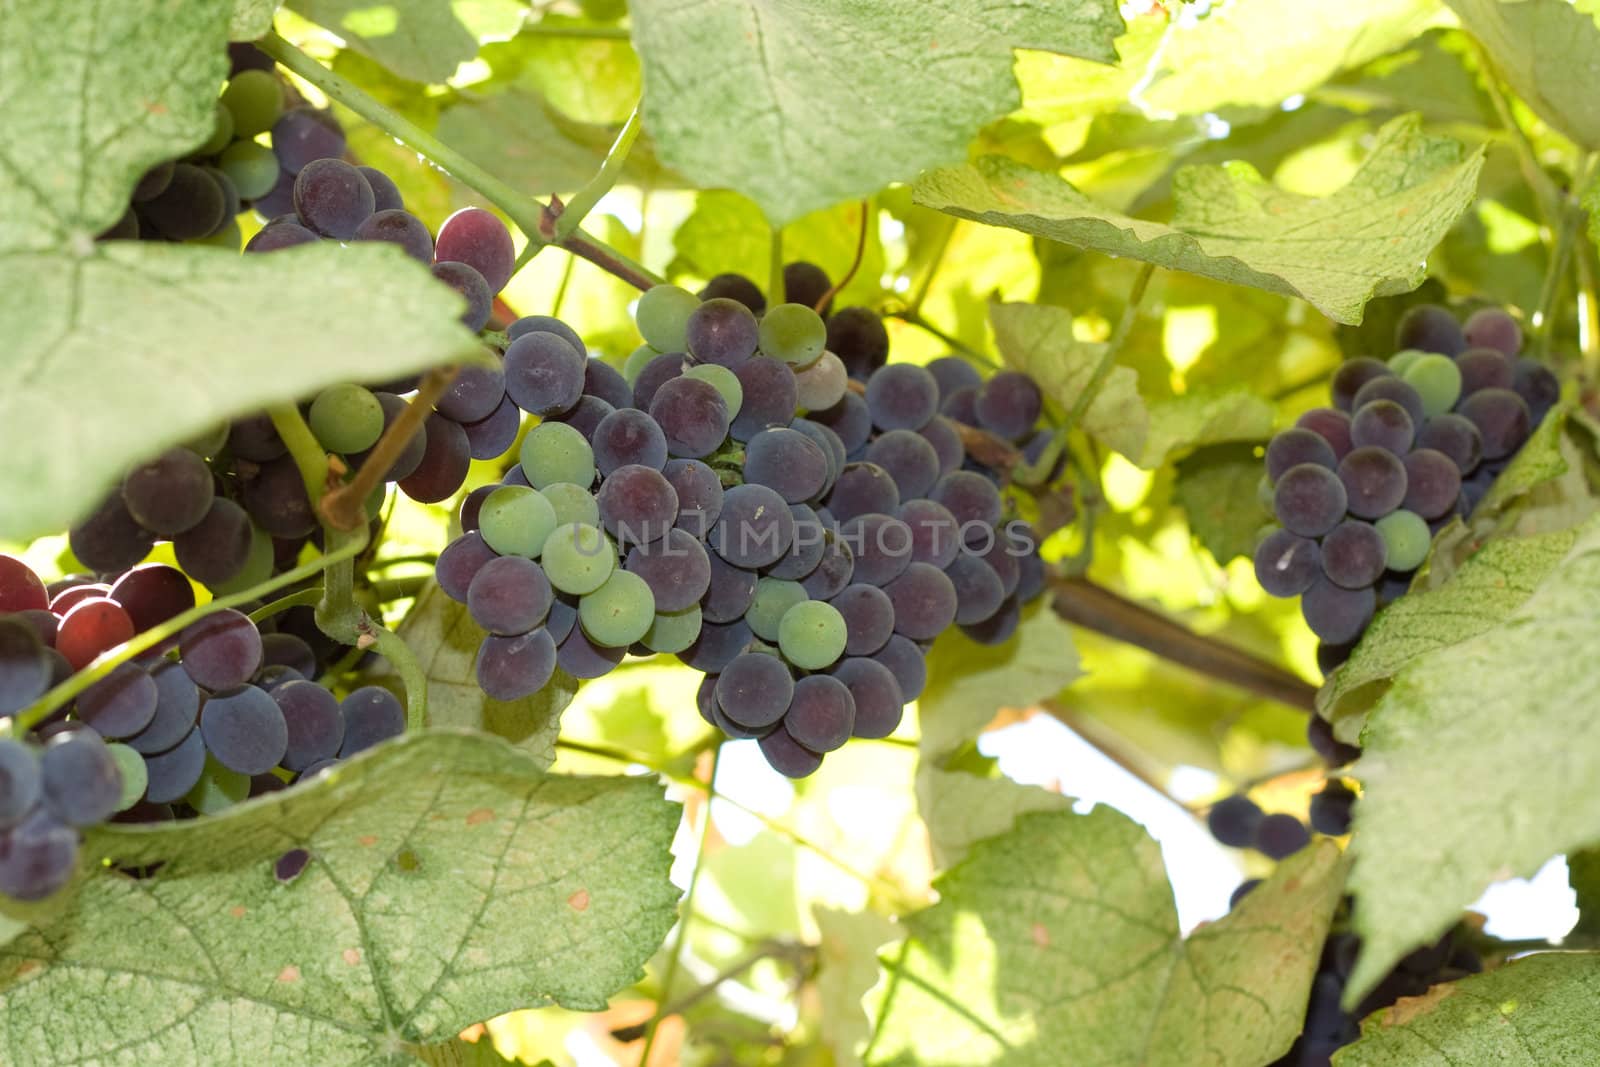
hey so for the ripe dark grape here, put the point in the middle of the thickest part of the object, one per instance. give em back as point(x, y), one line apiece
point(221, 650)
point(1286, 563)
point(1537, 386)
point(492, 437)
point(676, 568)
point(460, 562)
point(693, 416)
point(305, 134)
point(585, 416)
point(904, 396)
point(822, 384)
point(171, 493)
point(907, 663)
point(446, 458)
point(821, 713)
point(722, 331)
point(935, 534)
point(544, 373)
point(1393, 389)
point(90, 627)
point(314, 724)
point(473, 289)
point(909, 459)
point(244, 729)
point(857, 336)
point(755, 689)
point(79, 778)
point(786, 461)
point(397, 227)
point(1233, 821)
point(1332, 425)
point(863, 488)
point(1493, 328)
point(1007, 405)
point(1502, 419)
point(628, 437)
point(332, 198)
point(20, 588)
point(1279, 836)
point(192, 205)
point(879, 703)
point(735, 287)
point(806, 549)
point(1374, 483)
point(770, 397)
point(718, 645)
point(24, 666)
point(174, 771)
point(755, 527)
point(510, 668)
point(603, 381)
point(1384, 424)
point(730, 591)
point(509, 595)
point(849, 419)
point(473, 395)
point(37, 857)
point(834, 571)
point(1331, 807)
point(122, 703)
point(153, 593)
point(1336, 614)
point(479, 239)
point(1352, 376)
point(961, 406)
point(869, 617)
point(177, 708)
point(275, 496)
point(1319, 734)
point(584, 659)
point(699, 495)
point(1294, 447)
point(971, 498)
point(1433, 483)
point(385, 193)
point(371, 714)
point(637, 504)
point(924, 601)
point(952, 373)
point(657, 372)
point(1485, 368)
point(21, 780)
point(941, 433)
point(1354, 554)
point(110, 539)
point(882, 547)
point(786, 755)
point(1429, 328)
point(1456, 437)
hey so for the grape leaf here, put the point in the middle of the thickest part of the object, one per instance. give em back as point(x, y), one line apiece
point(1219, 489)
point(1205, 417)
point(1537, 1011)
point(445, 640)
point(251, 19)
point(1478, 764)
point(799, 106)
point(847, 967)
point(1547, 51)
point(449, 881)
point(1366, 240)
point(589, 79)
point(1058, 88)
point(961, 809)
point(418, 39)
point(1062, 935)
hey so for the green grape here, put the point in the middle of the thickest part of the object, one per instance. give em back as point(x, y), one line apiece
point(724, 381)
point(251, 167)
point(255, 100)
point(573, 503)
point(135, 775)
point(774, 597)
point(1266, 495)
point(221, 133)
point(634, 364)
point(1403, 359)
point(812, 635)
point(663, 317)
point(673, 631)
point(218, 789)
point(257, 566)
point(793, 333)
point(515, 521)
point(346, 418)
point(1405, 534)
point(578, 557)
point(620, 612)
point(556, 452)
point(1437, 380)
point(229, 237)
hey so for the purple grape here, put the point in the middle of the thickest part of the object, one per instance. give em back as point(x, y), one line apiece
point(1294, 447)
point(676, 568)
point(470, 284)
point(1354, 554)
point(544, 373)
point(1336, 614)
point(693, 417)
point(770, 397)
point(314, 723)
point(1309, 499)
point(821, 714)
point(628, 436)
point(878, 701)
point(509, 595)
point(372, 714)
point(1286, 563)
point(1485, 368)
point(755, 689)
point(1433, 483)
point(722, 331)
point(244, 729)
point(479, 239)
point(332, 198)
point(856, 335)
point(511, 668)
point(1384, 424)
point(1007, 405)
point(1352, 376)
point(220, 651)
point(396, 227)
point(1502, 419)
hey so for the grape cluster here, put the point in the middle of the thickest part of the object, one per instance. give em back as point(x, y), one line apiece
point(758, 493)
point(219, 713)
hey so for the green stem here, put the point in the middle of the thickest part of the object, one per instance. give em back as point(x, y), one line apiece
point(388, 589)
point(397, 652)
point(561, 288)
point(896, 970)
point(67, 690)
point(583, 33)
point(585, 199)
point(914, 318)
point(1108, 359)
point(308, 455)
point(338, 614)
point(430, 558)
point(933, 266)
point(304, 598)
point(775, 287)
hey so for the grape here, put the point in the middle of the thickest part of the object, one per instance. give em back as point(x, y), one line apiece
point(1430, 328)
point(773, 599)
point(1319, 734)
point(411, 456)
point(221, 650)
point(346, 418)
point(869, 618)
point(256, 439)
point(961, 406)
point(629, 437)
point(511, 668)
point(924, 601)
point(1331, 425)
point(371, 714)
point(1485, 368)
point(304, 134)
point(258, 565)
point(724, 381)
point(332, 198)
point(755, 689)
point(881, 545)
point(771, 396)
point(755, 527)
point(585, 416)
point(153, 593)
point(1502, 419)
point(1336, 614)
point(1433, 483)
point(1384, 424)
point(1294, 447)
point(217, 789)
point(1242, 890)
point(676, 569)
point(460, 562)
point(110, 539)
point(1352, 376)
point(578, 558)
point(735, 287)
point(793, 333)
point(1330, 806)
point(1493, 328)
point(693, 416)
point(806, 549)
point(935, 534)
point(821, 713)
point(971, 498)
point(828, 441)
point(385, 193)
point(288, 650)
point(174, 771)
point(1395, 389)
point(254, 99)
point(1538, 387)
point(979, 593)
point(806, 283)
point(275, 497)
point(878, 701)
point(1280, 836)
point(122, 703)
point(244, 729)
point(583, 659)
point(907, 663)
point(903, 396)
point(446, 458)
point(1309, 500)
point(787, 462)
point(833, 573)
point(21, 782)
point(42, 621)
point(786, 755)
point(192, 205)
point(67, 599)
point(477, 238)
point(1374, 481)
point(730, 591)
point(673, 631)
point(313, 721)
point(515, 520)
point(24, 666)
point(863, 488)
point(91, 627)
point(20, 588)
point(721, 331)
point(1407, 537)
point(401, 228)
point(1287, 564)
point(1400, 362)
point(1456, 437)
point(657, 371)
point(822, 384)
point(251, 167)
point(153, 182)
point(620, 612)
point(493, 436)
point(473, 289)
point(717, 646)
point(509, 596)
point(909, 460)
point(1437, 381)
point(277, 205)
point(662, 315)
point(1007, 405)
point(849, 419)
point(699, 494)
point(1354, 554)
point(1233, 821)
point(637, 504)
point(37, 857)
point(952, 373)
point(79, 778)
point(555, 452)
point(941, 433)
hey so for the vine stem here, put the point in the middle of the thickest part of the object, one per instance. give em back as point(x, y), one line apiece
point(582, 33)
point(855, 262)
point(303, 447)
point(344, 508)
point(304, 598)
point(585, 199)
point(776, 290)
point(396, 651)
point(933, 265)
point(1108, 358)
point(914, 318)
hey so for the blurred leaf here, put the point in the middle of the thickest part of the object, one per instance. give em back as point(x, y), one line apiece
point(1059, 88)
point(1436, 75)
point(1218, 488)
point(1203, 418)
point(1369, 239)
point(1547, 51)
point(1062, 935)
point(417, 39)
point(962, 809)
point(784, 104)
point(251, 19)
point(1477, 765)
point(459, 1053)
point(1537, 1011)
point(1583, 875)
point(589, 79)
point(847, 967)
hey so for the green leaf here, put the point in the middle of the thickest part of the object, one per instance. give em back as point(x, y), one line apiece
point(1037, 339)
point(1366, 240)
point(588, 79)
point(417, 39)
point(847, 968)
point(961, 809)
point(449, 881)
point(1533, 1012)
point(1204, 417)
point(799, 106)
point(1062, 935)
point(1547, 51)
point(1583, 874)
point(445, 640)
point(1478, 765)
point(251, 19)
point(1058, 88)
point(1218, 488)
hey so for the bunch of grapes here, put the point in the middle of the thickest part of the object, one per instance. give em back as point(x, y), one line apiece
point(216, 714)
point(758, 493)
